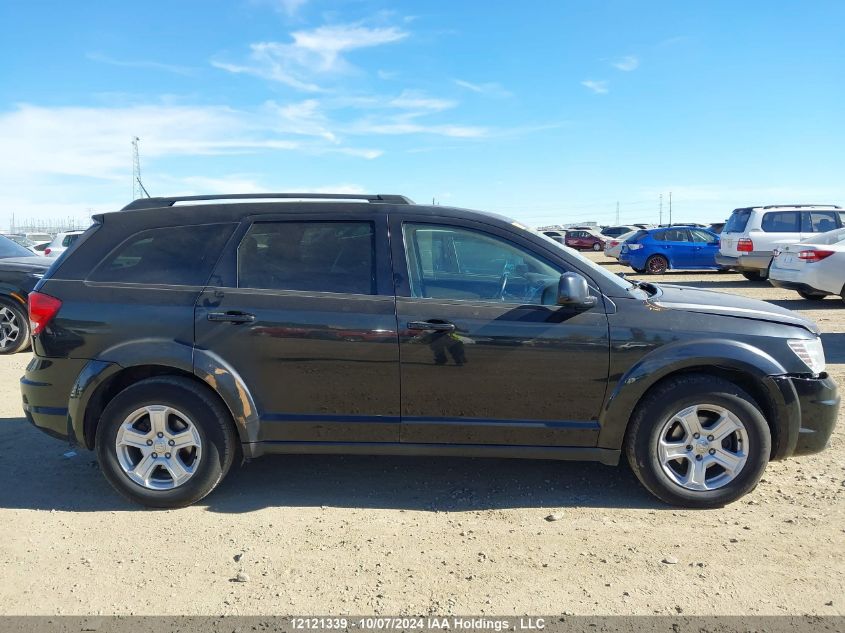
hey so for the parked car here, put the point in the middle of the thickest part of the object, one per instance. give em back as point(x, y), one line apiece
point(751, 234)
point(505, 344)
point(616, 231)
point(41, 240)
point(657, 250)
point(22, 240)
point(557, 236)
point(815, 268)
point(61, 243)
point(18, 276)
point(613, 247)
point(11, 248)
point(582, 240)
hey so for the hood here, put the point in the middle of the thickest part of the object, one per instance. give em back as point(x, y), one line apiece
point(722, 303)
point(35, 263)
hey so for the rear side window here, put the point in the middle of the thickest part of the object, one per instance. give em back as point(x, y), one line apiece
point(819, 221)
point(174, 255)
point(70, 239)
point(782, 222)
point(312, 256)
point(738, 221)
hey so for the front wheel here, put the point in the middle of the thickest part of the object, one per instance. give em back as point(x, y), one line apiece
point(14, 327)
point(812, 296)
point(597, 247)
point(698, 441)
point(165, 442)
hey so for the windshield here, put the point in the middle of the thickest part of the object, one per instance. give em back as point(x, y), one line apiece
point(595, 269)
point(8, 248)
point(831, 237)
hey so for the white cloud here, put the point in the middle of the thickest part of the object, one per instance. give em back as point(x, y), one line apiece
point(170, 68)
point(290, 7)
point(627, 63)
point(416, 100)
point(598, 87)
point(491, 88)
point(320, 52)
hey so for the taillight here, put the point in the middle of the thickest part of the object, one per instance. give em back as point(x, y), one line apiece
point(745, 245)
point(614, 243)
point(814, 256)
point(47, 251)
point(42, 309)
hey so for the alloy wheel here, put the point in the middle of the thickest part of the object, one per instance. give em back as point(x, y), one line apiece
point(10, 330)
point(702, 447)
point(158, 447)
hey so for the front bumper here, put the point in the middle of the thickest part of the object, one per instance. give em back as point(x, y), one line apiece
point(751, 262)
point(818, 404)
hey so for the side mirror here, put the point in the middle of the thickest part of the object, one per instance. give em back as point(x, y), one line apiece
point(573, 291)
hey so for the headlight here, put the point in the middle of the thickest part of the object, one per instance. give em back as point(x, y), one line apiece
point(810, 351)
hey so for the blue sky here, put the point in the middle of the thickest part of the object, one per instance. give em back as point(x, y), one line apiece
point(546, 111)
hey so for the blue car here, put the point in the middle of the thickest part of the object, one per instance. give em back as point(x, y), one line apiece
point(655, 251)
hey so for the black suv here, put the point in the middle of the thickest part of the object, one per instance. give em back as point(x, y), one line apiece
point(176, 339)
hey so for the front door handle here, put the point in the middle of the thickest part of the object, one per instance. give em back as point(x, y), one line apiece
point(231, 317)
point(427, 325)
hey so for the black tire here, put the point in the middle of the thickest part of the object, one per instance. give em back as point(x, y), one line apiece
point(812, 296)
point(14, 321)
point(753, 275)
point(211, 419)
point(656, 265)
point(639, 271)
point(674, 395)
point(597, 247)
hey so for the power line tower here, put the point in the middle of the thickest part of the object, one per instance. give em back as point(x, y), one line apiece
point(138, 189)
point(661, 210)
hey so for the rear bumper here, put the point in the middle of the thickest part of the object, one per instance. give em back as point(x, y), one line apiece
point(817, 402)
point(46, 388)
point(751, 262)
point(793, 285)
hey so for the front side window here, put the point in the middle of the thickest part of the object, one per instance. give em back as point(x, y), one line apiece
point(175, 255)
point(701, 236)
point(782, 222)
point(312, 256)
point(447, 262)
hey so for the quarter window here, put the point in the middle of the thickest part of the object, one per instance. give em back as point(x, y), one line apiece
point(447, 262)
point(176, 255)
point(312, 256)
point(819, 221)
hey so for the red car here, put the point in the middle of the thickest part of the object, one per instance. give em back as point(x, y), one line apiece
point(584, 241)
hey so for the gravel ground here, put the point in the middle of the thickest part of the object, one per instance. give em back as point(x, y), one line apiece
point(361, 535)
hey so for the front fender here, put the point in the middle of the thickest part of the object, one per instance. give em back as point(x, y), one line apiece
point(707, 354)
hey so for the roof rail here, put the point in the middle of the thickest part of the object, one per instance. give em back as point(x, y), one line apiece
point(801, 206)
point(155, 203)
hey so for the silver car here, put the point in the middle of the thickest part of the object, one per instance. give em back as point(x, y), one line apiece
point(613, 246)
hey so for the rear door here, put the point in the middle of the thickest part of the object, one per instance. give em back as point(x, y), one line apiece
point(302, 307)
point(486, 355)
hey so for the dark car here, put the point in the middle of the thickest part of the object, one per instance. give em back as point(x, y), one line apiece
point(584, 241)
point(655, 251)
point(18, 276)
point(173, 340)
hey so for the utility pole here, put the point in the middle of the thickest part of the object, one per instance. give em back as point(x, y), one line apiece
point(617, 212)
point(670, 207)
point(138, 189)
point(661, 210)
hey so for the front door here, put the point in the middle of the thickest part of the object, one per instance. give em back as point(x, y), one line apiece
point(487, 356)
point(303, 309)
point(705, 247)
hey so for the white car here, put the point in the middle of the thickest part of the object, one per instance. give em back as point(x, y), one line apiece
point(613, 246)
point(751, 234)
point(41, 240)
point(61, 243)
point(815, 268)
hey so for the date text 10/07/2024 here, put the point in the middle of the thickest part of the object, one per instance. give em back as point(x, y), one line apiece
point(430, 623)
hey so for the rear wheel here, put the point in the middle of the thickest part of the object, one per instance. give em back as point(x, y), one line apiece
point(812, 296)
point(698, 441)
point(165, 442)
point(14, 327)
point(596, 247)
point(657, 264)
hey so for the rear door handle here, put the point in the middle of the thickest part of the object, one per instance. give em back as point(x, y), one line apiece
point(426, 325)
point(231, 317)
